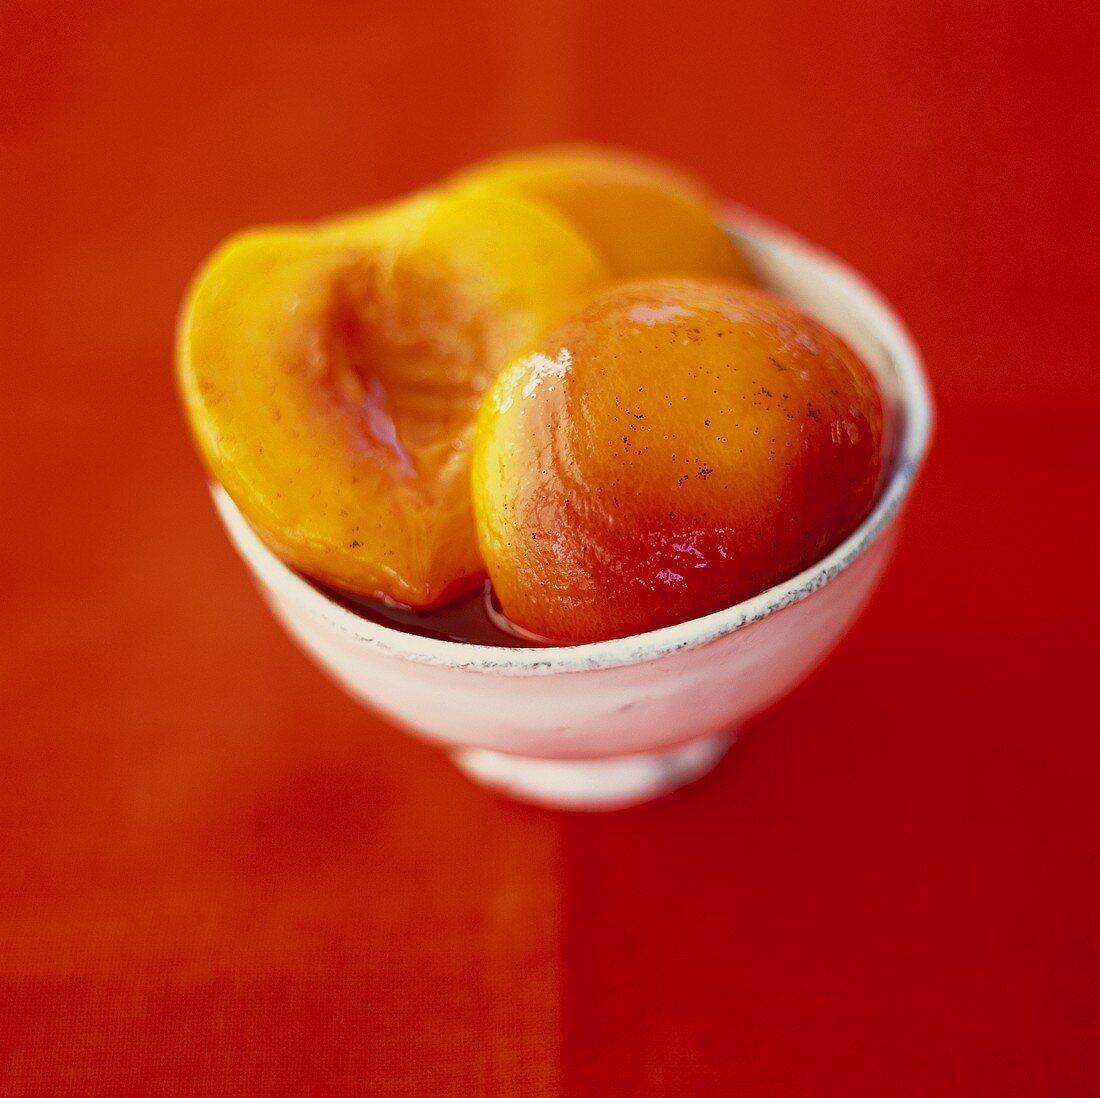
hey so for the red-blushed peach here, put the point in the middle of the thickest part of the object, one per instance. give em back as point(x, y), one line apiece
point(676, 447)
point(643, 217)
point(331, 375)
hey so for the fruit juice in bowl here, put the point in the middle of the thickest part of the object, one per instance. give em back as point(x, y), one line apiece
point(552, 407)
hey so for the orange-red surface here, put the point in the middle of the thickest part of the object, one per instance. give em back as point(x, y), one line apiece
point(221, 877)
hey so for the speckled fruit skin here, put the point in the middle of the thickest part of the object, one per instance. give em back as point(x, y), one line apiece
point(332, 374)
point(677, 446)
point(643, 217)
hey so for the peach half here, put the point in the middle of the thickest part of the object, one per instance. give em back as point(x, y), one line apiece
point(677, 446)
point(642, 217)
point(332, 375)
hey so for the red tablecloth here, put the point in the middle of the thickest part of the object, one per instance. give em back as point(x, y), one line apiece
point(220, 877)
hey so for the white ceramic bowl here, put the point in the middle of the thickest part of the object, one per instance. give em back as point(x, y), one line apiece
point(606, 725)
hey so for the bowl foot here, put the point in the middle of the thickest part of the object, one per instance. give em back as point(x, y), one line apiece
point(593, 785)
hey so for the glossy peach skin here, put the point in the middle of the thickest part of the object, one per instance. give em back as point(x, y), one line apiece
point(641, 216)
point(676, 447)
point(332, 373)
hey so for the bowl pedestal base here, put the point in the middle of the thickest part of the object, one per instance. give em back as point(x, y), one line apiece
point(595, 785)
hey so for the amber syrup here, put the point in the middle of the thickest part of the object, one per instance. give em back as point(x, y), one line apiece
point(473, 618)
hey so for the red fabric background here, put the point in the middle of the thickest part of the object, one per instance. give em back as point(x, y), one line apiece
point(219, 876)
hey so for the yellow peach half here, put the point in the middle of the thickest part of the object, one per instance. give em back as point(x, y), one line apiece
point(332, 373)
point(643, 217)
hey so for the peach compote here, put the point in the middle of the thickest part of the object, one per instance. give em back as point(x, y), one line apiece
point(553, 372)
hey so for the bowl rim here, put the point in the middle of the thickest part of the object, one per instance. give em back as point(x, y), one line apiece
point(914, 398)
